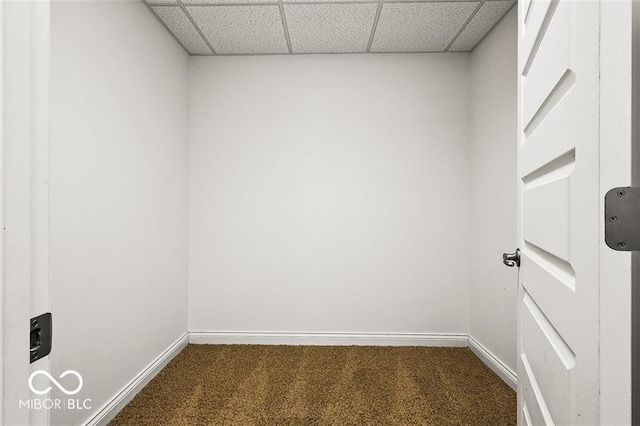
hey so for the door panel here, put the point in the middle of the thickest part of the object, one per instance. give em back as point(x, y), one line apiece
point(550, 281)
point(559, 208)
point(526, 417)
point(548, 62)
point(530, 397)
point(548, 141)
point(534, 13)
point(546, 215)
point(551, 361)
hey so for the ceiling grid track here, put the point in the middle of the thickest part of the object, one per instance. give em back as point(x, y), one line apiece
point(186, 12)
point(464, 26)
point(375, 27)
point(284, 25)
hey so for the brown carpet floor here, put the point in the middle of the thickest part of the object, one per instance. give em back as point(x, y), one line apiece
point(319, 385)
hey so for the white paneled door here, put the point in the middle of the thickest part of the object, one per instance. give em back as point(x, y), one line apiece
point(560, 212)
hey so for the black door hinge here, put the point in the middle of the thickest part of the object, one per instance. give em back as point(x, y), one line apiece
point(622, 218)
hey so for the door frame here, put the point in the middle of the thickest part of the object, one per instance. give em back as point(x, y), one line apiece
point(635, 260)
point(616, 148)
point(24, 152)
point(2, 203)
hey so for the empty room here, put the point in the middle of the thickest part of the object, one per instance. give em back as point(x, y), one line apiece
point(319, 212)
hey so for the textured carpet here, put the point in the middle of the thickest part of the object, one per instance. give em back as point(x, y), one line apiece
point(320, 385)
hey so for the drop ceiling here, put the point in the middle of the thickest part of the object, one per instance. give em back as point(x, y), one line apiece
point(259, 27)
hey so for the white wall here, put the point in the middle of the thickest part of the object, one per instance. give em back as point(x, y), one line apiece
point(118, 194)
point(329, 193)
point(493, 190)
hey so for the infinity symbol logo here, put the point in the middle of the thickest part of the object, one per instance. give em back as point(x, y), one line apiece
point(55, 382)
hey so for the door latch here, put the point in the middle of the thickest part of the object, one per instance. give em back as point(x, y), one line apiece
point(40, 336)
point(622, 218)
point(511, 259)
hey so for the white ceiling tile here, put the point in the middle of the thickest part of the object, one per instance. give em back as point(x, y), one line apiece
point(205, 2)
point(330, 28)
point(241, 29)
point(162, 2)
point(420, 27)
point(367, 1)
point(485, 19)
point(328, 1)
point(176, 20)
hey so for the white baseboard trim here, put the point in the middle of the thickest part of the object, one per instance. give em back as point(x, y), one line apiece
point(113, 407)
point(493, 362)
point(328, 339)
